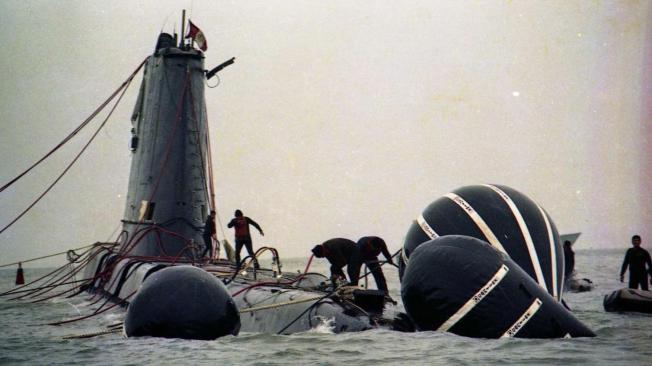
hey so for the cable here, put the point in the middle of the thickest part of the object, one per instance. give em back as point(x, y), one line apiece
point(53, 255)
point(76, 130)
point(319, 300)
point(73, 161)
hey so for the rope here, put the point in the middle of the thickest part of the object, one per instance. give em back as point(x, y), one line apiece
point(280, 304)
point(43, 287)
point(210, 175)
point(55, 254)
point(95, 313)
point(91, 335)
point(305, 311)
point(52, 276)
point(76, 130)
point(198, 142)
point(124, 89)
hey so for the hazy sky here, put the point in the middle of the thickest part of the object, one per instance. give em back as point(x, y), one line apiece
point(341, 118)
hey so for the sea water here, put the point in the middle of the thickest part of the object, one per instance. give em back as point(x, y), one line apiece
point(622, 338)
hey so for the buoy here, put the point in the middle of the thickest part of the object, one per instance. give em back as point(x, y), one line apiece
point(501, 216)
point(20, 277)
point(463, 285)
point(182, 302)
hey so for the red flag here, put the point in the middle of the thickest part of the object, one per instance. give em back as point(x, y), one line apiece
point(197, 36)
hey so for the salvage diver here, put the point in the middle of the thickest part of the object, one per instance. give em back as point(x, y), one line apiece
point(636, 258)
point(340, 252)
point(569, 259)
point(370, 247)
point(209, 234)
point(242, 236)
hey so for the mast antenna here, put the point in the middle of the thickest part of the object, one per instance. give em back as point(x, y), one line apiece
point(183, 31)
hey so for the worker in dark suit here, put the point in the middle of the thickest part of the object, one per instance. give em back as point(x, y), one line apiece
point(340, 252)
point(370, 247)
point(636, 259)
point(209, 234)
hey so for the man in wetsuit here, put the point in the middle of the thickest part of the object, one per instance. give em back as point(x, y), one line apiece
point(370, 247)
point(242, 237)
point(209, 234)
point(340, 252)
point(637, 258)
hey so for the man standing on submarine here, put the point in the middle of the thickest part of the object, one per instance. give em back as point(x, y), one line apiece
point(242, 236)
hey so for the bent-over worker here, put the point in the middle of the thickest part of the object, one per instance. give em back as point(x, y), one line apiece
point(340, 252)
point(370, 247)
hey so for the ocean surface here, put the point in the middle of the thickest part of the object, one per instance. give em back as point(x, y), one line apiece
point(623, 338)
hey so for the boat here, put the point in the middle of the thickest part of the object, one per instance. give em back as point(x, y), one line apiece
point(628, 299)
point(571, 237)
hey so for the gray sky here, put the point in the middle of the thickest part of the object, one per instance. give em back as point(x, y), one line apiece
point(340, 118)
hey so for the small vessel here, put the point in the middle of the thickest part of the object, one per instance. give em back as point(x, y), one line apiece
point(628, 299)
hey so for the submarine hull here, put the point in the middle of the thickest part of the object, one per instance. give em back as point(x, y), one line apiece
point(266, 304)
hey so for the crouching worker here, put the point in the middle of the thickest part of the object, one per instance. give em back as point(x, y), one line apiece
point(340, 252)
point(370, 247)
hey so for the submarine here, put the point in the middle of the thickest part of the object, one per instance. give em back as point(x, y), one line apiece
point(154, 269)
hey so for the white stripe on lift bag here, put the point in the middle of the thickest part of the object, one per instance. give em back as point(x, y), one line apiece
point(473, 301)
point(482, 225)
point(520, 323)
point(534, 258)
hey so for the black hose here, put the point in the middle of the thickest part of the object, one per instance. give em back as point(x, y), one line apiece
point(305, 311)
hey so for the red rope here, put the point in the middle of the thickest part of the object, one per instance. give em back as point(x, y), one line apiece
point(73, 161)
point(210, 167)
point(273, 282)
point(198, 142)
point(76, 130)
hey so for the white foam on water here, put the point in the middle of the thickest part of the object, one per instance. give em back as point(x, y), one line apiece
point(325, 326)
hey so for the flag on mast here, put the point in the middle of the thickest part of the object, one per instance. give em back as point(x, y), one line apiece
point(197, 36)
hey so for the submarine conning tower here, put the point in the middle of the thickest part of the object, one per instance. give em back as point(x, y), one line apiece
point(168, 198)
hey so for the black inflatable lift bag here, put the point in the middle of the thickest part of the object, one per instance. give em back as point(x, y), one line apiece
point(182, 302)
point(490, 202)
point(445, 273)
